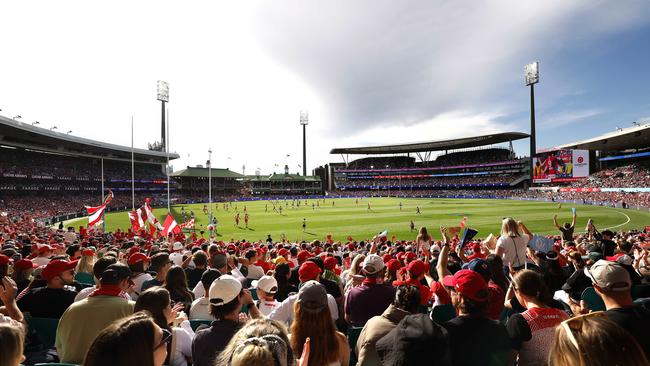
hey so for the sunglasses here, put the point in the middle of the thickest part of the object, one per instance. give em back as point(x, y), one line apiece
point(575, 325)
point(166, 338)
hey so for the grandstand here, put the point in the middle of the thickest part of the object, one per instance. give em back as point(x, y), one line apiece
point(466, 163)
point(283, 184)
point(41, 170)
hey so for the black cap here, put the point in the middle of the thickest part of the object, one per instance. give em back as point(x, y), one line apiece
point(115, 273)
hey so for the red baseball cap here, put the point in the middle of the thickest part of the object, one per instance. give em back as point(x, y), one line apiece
point(400, 256)
point(417, 267)
point(308, 271)
point(44, 248)
point(469, 283)
point(409, 256)
point(133, 250)
point(393, 265)
point(303, 255)
point(231, 248)
point(4, 259)
point(24, 264)
point(88, 252)
point(387, 257)
point(56, 267)
point(138, 257)
point(283, 252)
point(330, 263)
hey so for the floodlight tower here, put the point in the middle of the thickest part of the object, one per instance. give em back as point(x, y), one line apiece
point(163, 97)
point(531, 74)
point(304, 121)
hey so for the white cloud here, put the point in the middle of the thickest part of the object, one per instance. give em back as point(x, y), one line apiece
point(239, 72)
point(568, 117)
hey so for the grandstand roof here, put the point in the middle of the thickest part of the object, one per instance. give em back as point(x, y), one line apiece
point(276, 177)
point(24, 135)
point(460, 143)
point(200, 172)
point(623, 139)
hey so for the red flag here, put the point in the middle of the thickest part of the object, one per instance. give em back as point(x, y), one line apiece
point(170, 226)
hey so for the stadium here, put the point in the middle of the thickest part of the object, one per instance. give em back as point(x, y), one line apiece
point(432, 219)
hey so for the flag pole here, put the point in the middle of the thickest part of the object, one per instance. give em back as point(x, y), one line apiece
point(102, 194)
point(132, 170)
point(167, 169)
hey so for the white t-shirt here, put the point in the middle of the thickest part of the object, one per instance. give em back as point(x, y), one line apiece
point(267, 307)
point(139, 280)
point(183, 336)
point(514, 249)
point(177, 258)
point(200, 309)
point(284, 312)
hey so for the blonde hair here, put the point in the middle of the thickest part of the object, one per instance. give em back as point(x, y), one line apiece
point(85, 264)
point(253, 354)
point(509, 227)
point(594, 344)
point(239, 351)
point(11, 344)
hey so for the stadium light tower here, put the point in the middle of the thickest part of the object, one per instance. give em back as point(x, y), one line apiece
point(35, 123)
point(163, 97)
point(531, 74)
point(304, 121)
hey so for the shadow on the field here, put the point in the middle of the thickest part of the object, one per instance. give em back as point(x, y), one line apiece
point(309, 233)
point(250, 229)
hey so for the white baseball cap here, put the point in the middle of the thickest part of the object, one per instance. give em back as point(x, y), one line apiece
point(267, 284)
point(177, 246)
point(435, 248)
point(224, 290)
point(372, 264)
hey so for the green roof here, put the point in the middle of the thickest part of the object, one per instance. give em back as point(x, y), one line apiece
point(196, 172)
point(279, 177)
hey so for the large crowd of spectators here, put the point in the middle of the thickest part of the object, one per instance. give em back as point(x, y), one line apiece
point(432, 182)
point(628, 176)
point(132, 298)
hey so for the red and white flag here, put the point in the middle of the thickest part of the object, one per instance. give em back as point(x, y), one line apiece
point(138, 219)
point(150, 216)
point(95, 214)
point(187, 224)
point(170, 226)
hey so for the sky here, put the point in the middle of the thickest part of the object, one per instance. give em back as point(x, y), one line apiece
point(368, 72)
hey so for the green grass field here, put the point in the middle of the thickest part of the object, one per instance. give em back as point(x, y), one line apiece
point(345, 217)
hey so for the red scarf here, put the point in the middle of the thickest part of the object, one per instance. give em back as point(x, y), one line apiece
point(369, 281)
point(107, 290)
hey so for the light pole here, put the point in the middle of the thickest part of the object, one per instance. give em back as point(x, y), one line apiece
point(35, 123)
point(531, 73)
point(163, 97)
point(210, 186)
point(304, 121)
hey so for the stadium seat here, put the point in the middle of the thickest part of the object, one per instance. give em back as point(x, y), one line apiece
point(443, 313)
point(594, 302)
point(254, 293)
point(353, 336)
point(45, 328)
point(196, 323)
point(640, 291)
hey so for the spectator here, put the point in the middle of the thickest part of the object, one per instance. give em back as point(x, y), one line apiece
point(44, 254)
point(511, 245)
point(285, 288)
point(302, 257)
point(11, 345)
point(578, 281)
point(98, 268)
point(566, 229)
point(53, 299)
point(160, 263)
point(589, 340)
point(266, 287)
point(255, 272)
point(23, 271)
point(309, 271)
point(532, 331)
point(497, 296)
point(489, 339)
point(313, 320)
point(416, 340)
point(612, 283)
point(176, 255)
point(226, 299)
point(176, 284)
point(354, 276)
point(200, 260)
point(11, 314)
point(373, 297)
point(84, 270)
point(138, 263)
point(102, 307)
point(261, 342)
point(157, 302)
point(200, 308)
point(406, 301)
point(219, 262)
point(416, 272)
point(132, 341)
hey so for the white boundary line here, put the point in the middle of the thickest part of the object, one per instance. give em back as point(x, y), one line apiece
point(619, 225)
